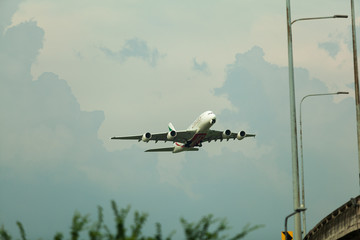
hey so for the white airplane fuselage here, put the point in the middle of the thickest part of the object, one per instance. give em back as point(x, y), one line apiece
point(201, 126)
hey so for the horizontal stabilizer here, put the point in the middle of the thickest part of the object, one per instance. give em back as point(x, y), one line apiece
point(250, 135)
point(169, 149)
point(192, 149)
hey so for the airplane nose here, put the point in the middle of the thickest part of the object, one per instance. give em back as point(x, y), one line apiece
point(212, 121)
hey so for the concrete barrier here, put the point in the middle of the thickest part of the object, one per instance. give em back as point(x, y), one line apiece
point(343, 223)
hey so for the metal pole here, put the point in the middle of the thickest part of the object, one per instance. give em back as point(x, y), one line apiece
point(291, 76)
point(356, 79)
point(294, 149)
point(302, 173)
point(302, 158)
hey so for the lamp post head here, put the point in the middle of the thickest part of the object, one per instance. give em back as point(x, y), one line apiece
point(340, 16)
point(342, 93)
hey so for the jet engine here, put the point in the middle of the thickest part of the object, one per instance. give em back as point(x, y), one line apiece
point(226, 134)
point(171, 135)
point(241, 135)
point(146, 137)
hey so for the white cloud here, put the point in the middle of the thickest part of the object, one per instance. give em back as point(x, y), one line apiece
point(51, 123)
point(7, 9)
point(261, 97)
point(201, 67)
point(331, 47)
point(169, 168)
point(135, 48)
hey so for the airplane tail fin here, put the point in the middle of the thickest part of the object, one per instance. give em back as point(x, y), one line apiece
point(171, 127)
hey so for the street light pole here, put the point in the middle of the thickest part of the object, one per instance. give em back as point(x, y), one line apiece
point(301, 154)
point(293, 130)
point(356, 79)
point(294, 149)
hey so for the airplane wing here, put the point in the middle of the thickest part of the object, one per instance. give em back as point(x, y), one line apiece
point(219, 135)
point(181, 137)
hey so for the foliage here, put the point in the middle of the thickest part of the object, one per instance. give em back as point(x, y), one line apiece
point(202, 229)
point(22, 231)
point(208, 228)
point(3, 234)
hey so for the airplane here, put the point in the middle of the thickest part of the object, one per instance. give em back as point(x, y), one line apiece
point(188, 140)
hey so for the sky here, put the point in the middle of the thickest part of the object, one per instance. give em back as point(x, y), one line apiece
point(75, 74)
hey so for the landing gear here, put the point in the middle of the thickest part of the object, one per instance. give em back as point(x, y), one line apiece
point(188, 144)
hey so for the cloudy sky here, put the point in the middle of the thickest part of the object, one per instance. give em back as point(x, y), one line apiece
point(74, 74)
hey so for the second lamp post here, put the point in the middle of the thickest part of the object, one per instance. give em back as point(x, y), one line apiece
point(301, 154)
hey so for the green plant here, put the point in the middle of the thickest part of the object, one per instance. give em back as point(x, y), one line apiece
point(207, 228)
